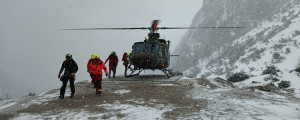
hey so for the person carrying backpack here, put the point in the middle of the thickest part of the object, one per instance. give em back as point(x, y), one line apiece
point(95, 70)
point(113, 63)
point(69, 66)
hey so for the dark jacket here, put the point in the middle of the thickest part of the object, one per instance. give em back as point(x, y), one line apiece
point(69, 66)
point(113, 61)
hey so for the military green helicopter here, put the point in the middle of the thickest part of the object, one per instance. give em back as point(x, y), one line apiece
point(151, 54)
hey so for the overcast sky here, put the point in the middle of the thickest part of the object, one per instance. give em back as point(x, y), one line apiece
point(32, 46)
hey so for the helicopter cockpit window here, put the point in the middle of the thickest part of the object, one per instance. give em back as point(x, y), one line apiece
point(138, 47)
point(153, 48)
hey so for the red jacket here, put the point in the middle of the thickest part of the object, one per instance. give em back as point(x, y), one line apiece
point(125, 57)
point(89, 65)
point(96, 67)
point(113, 60)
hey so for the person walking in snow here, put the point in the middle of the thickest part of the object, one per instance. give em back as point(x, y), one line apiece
point(89, 65)
point(95, 70)
point(69, 66)
point(125, 62)
point(113, 63)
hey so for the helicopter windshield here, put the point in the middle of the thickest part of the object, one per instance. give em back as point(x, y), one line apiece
point(153, 48)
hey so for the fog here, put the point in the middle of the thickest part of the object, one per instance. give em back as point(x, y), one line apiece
point(32, 46)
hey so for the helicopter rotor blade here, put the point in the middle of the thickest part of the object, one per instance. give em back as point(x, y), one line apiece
point(141, 28)
point(163, 28)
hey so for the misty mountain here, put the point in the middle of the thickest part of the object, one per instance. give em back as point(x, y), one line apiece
point(269, 38)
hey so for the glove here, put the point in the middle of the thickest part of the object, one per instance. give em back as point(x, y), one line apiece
point(58, 75)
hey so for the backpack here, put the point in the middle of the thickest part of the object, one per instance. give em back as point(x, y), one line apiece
point(70, 66)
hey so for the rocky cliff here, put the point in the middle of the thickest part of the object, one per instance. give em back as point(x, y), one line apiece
point(207, 52)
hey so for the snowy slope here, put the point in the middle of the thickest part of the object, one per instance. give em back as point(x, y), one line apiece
point(254, 51)
point(245, 104)
point(198, 45)
point(269, 42)
point(273, 42)
point(242, 103)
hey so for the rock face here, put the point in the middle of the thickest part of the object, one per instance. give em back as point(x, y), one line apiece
point(206, 48)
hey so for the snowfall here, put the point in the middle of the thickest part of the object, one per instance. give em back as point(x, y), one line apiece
point(223, 102)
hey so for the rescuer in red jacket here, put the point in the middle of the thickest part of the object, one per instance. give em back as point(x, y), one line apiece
point(95, 67)
point(113, 63)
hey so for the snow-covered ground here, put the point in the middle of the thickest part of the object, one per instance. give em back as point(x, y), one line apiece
point(123, 91)
point(222, 103)
point(7, 103)
point(243, 103)
point(115, 110)
point(132, 112)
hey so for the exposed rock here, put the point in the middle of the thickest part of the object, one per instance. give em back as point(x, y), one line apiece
point(272, 70)
point(268, 88)
point(224, 82)
point(284, 84)
point(255, 82)
point(238, 77)
point(273, 78)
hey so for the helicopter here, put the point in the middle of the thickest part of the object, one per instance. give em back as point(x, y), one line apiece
point(151, 54)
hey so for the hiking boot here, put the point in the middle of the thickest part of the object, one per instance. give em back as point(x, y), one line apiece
point(61, 97)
